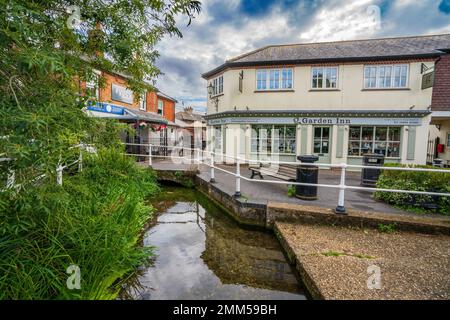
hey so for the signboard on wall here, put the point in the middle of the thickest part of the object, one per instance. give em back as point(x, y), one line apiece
point(107, 108)
point(428, 80)
point(319, 121)
point(119, 93)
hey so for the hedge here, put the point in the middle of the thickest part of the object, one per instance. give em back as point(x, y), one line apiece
point(417, 181)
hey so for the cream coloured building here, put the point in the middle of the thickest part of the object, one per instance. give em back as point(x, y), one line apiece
point(337, 100)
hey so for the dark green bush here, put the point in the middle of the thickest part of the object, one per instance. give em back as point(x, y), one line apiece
point(417, 181)
point(94, 221)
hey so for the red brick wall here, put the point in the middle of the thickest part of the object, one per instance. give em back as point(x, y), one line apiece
point(152, 97)
point(106, 90)
point(169, 109)
point(440, 100)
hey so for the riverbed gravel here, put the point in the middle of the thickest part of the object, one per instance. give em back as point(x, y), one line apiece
point(339, 260)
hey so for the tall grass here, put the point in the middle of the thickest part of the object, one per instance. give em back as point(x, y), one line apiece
point(93, 221)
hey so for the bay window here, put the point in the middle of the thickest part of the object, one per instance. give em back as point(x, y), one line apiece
point(264, 139)
point(374, 139)
point(274, 79)
point(385, 76)
point(324, 77)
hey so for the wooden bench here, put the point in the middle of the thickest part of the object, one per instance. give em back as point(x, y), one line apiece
point(285, 172)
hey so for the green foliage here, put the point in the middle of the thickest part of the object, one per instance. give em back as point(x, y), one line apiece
point(386, 228)
point(291, 191)
point(417, 181)
point(94, 221)
point(42, 61)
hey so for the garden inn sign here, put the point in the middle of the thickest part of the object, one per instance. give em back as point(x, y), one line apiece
point(318, 121)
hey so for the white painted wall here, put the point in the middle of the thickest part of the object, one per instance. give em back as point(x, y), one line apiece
point(349, 96)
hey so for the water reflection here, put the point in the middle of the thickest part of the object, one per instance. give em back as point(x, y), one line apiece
point(202, 254)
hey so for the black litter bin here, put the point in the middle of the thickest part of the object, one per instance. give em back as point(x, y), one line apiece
point(307, 174)
point(370, 176)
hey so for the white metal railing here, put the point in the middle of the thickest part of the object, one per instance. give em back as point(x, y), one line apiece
point(11, 177)
point(197, 155)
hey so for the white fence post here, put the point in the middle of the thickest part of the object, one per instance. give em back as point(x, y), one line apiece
point(11, 179)
point(212, 180)
point(340, 209)
point(238, 178)
point(59, 170)
point(80, 162)
point(150, 155)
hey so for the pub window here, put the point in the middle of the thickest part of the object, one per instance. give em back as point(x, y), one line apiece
point(160, 107)
point(217, 85)
point(143, 102)
point(448, 140)
point(324, 77)
point(217, 138)
point(264, 139)
point(274, 79)
point(321, 139)
point(386, 76)
point(374, 139)
point(92, 87)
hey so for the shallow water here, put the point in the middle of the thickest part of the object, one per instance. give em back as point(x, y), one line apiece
point(201, 253)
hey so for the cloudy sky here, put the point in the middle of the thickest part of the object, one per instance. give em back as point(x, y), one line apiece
point(227, 28)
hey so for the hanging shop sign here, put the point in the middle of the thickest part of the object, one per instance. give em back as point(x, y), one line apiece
point(119, 93)
point(319, 121)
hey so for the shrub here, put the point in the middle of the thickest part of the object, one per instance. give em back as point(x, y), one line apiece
point(94, 221)
point(417, 181)
point(291, 191)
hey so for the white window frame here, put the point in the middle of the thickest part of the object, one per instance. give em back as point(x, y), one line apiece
point(324, 87)
point(94, 83)
point(392, 80)
point(374, 141)
point(160, 103)
point(281, 85)
point(217, 84)
point(143, 102)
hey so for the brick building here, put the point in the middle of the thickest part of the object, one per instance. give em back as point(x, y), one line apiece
point(153, 115)
point(439, 142)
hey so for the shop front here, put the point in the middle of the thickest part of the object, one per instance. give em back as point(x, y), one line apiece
point(335, 137)
point(144, 123)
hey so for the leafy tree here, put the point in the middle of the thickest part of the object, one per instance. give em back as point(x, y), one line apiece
point(45, 49)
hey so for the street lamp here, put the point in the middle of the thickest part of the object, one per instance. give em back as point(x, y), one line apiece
point(214, 99)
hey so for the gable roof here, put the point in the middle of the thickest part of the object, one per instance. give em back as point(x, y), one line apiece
point(353, 50)
point(188, 116)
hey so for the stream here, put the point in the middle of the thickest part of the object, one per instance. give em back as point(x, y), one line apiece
point(201, 253)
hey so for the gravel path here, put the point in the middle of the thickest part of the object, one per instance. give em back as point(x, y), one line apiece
point(336, 259)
